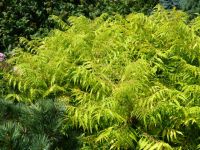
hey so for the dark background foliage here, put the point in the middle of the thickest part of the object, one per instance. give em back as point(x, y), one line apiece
point(30, 17)
point(20, 18)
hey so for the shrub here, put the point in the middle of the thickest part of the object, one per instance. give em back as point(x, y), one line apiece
point(169, 4)
point(35, 126)
point(25, 18)
point(192, 7)
point(126, 83)
point(20, 18)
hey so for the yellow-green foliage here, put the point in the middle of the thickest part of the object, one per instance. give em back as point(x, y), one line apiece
point(128, 83)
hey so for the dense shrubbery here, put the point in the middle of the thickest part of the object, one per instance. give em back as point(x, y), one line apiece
point(30, 18)
point(169, 4)
point(26, 18)
point(124, 83)
point(190, 6)
point(34, 127)
point(20, 18)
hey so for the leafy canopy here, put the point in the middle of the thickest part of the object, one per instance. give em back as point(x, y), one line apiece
point(126, 82)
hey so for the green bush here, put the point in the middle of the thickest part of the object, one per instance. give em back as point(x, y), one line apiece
point(192, 7)
point(20, 18)
point(126, 82)
point(25, 18)
point(34, 126)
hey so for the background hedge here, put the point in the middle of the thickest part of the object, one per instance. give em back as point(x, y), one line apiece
point(30, 17)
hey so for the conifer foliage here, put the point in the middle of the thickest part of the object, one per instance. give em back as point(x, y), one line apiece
point(124, 82)
point(33, 127)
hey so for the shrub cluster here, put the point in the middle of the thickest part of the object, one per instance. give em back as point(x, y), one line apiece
point(34, 127)
point(128, 82)
point(28, 18)
point(192, 7)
